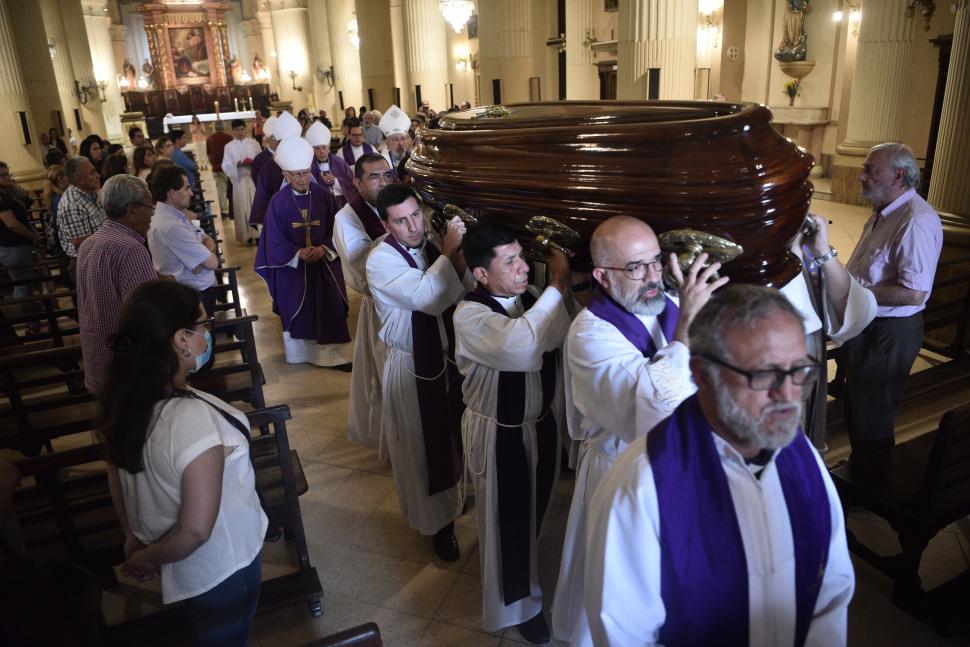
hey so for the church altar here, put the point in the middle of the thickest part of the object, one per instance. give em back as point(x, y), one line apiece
point(225, 117)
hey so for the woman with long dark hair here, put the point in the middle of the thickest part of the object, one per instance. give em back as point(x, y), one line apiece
point(115, 164)
point(142, 160)
point(179, 468)
point(92, 149)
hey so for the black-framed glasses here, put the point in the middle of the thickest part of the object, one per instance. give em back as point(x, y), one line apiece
point(208, 322)
point(772, 378)
point(637, 271)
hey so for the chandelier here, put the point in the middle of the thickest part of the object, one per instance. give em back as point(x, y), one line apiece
point(353, 33)
point(456, 12)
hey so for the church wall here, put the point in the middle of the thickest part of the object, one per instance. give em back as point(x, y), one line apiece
point(923, 72)
point(758, 45)
point(733, 23)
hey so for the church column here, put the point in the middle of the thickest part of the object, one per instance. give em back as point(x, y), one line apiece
point(291, 30)
point(377, 53)
point(324, 92)
point(884, 49)
point(505, 49)
point(401, 78)
point(270, 58)
point(951, 165)
point(427, 53)
point(254, 45)
point(82, 66)
point(582, 78)
point(63, 69)
point(346, 57)
point(97, 24)
point(23, 159)
point(656, 35)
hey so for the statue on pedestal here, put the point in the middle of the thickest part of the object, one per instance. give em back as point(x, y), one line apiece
point(152, 75)
point(794, 43)
point(130, 74)
point(235, 71)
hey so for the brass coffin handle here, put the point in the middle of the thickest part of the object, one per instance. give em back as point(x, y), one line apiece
point(440, 221)
point(551, 233)
point(688, 244)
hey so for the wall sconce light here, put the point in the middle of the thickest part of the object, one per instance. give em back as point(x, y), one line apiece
point(123, 84)
point(51, 48)
point(558, 43)
point(928, 7)
point(460, 64)
point(102, 86)
point(590, 39)
point(327, 75)
point(708, 27)
point(293, 76)
point(83, 92)
point(855, 17)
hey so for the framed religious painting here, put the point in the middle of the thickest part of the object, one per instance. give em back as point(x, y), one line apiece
point(190, 54)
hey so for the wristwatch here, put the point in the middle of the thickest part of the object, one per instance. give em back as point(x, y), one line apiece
point(832, 253)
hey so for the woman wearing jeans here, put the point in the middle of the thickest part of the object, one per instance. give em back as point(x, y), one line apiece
point(178, 466)
point(17, 237)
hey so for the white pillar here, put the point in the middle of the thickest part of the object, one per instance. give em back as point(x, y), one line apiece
point(582, 78)
point(656, 34)
point(82, 65)
point(427, 53)
point(324, 92)
point(97, 24)
point(346, 57)
point(291, 31)
point(376, 52)
point(951, 166)
point(36, 69)
point(269, 55)
point(505, 49)
point(13, 100)
point(63, 69)
point(401, 78)
point(253, 36)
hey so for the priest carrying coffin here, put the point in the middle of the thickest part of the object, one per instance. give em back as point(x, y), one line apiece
point(296, 259)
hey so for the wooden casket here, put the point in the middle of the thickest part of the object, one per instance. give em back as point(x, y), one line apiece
point(711, 166)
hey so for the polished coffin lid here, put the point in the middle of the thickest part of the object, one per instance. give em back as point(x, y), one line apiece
point(713, 166)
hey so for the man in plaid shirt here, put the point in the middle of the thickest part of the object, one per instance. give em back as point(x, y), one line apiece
point(78, 215)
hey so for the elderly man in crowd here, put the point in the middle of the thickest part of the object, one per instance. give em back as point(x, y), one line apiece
point(626, 370)
point(270, 176)
point(395, 124)
point(78, 213)
point(722, 526)
point(329, 170)
point(110, 264)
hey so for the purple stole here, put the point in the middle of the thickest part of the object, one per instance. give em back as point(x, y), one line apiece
point(373, 225)
point(703, 572)
point(267, 185)
point(603, 306)
point(439, 399)
point(513, 470)
point(348, 153)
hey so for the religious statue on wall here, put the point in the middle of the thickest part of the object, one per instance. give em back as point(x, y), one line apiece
point(235, 71)
point(152, 75)
point(259, 69)
point(129, 73)
point(794, 42)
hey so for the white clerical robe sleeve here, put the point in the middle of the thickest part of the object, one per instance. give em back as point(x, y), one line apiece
point(352, 245)
point(429, 291)
point(506, 344)
point(229, 160)
point(860, 310)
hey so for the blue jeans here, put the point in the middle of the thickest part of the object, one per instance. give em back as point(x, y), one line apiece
point(12, 257)
point(223, 616)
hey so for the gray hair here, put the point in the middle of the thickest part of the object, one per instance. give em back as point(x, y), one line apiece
point(74, 166)
point(901, 157)
point(736, 306)
point(119, 191)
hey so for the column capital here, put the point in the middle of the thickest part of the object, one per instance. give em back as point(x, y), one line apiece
point(282, 5)
point(95, 8)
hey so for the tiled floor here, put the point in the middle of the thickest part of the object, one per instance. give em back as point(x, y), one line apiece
point(374, 568)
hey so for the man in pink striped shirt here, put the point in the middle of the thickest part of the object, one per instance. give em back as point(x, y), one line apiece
point(896, 259)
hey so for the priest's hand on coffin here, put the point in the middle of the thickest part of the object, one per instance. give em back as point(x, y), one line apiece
point(818, 240)
point(454, 232)
point(695, 289)
point(558, 264)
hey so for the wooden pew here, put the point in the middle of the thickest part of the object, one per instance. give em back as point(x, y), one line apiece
point(57, 310)
point(949, 305)
point(919, 487)
point(67, 513)
point(234, 377)
point(365, 635)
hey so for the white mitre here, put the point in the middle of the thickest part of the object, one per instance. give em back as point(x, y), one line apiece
point(294, 154)
point(318, 134)
point(286, 125)
point(395, 122)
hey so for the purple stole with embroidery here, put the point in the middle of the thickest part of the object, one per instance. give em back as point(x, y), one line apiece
point(603, 306)
point(439, 400)
point(703, 571)
point(348, 153)
point(513, 470)
point(373, 225)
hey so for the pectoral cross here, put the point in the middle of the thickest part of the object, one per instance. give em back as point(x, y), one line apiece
point(306, 225)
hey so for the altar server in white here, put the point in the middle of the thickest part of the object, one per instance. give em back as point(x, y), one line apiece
point(508, 338)
point(415, 288)
point(237, 164)
point(626, 370)
point(722, 526)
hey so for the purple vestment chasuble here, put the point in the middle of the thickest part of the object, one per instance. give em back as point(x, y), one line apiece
point(343, 174)
point(311, 299)
point(347, 152)
point(267, 185)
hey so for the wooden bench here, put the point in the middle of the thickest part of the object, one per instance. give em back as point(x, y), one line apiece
point(919, 487)
point(949, 305)
point(57, 311)
point(67, 513)
point(234, 378)
point(365, 635)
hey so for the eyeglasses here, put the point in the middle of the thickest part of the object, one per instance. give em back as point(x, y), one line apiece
point(771, 378)
point(637, 271)
point(208, 322)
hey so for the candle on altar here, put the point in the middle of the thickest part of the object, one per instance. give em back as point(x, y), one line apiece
point(235, 102)
point(217, 107)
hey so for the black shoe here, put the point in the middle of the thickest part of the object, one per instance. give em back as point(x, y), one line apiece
point(343, 368)
point(446, 544)
point(536, 631)
point(273, 534)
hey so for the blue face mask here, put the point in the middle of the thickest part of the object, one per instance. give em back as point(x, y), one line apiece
point(202, 360)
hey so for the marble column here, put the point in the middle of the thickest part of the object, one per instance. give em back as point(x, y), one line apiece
point(23, 159)
point(269, 53)
point(427, 53)
point(36, 68)
point(401, 78)
point(346, 57)
point(324, 94)
point(291, 31)
point(253, 36)
point(63, 69)
point(118, 32)
point(582, 78)
point(97, 24)
point(656, 34)
point(376, 53)
point(884, 49)
point(82, 65)
point(951, 166)
point(505, 49)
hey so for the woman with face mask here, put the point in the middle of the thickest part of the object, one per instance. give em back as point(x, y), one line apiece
point(179, 469)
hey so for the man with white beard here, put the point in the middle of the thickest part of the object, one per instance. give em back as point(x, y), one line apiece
point(395, 124)
point(722, 526)
point(625, 371)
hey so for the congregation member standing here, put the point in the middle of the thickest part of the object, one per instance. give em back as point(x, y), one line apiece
point(270, 177)
point(722, 526)
point(17, 237)
point(110, 264)
point(215, 148)
point(78, 213)
point(355, 146)
point(395, 124)
point(295, 257)
point(896, 259)
point(237, 163)
point(415, 285)
point(508, 337)
point(357, 230)
point(626, 370)
point(178, 248)
point(329, 170)
point(179, 140)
